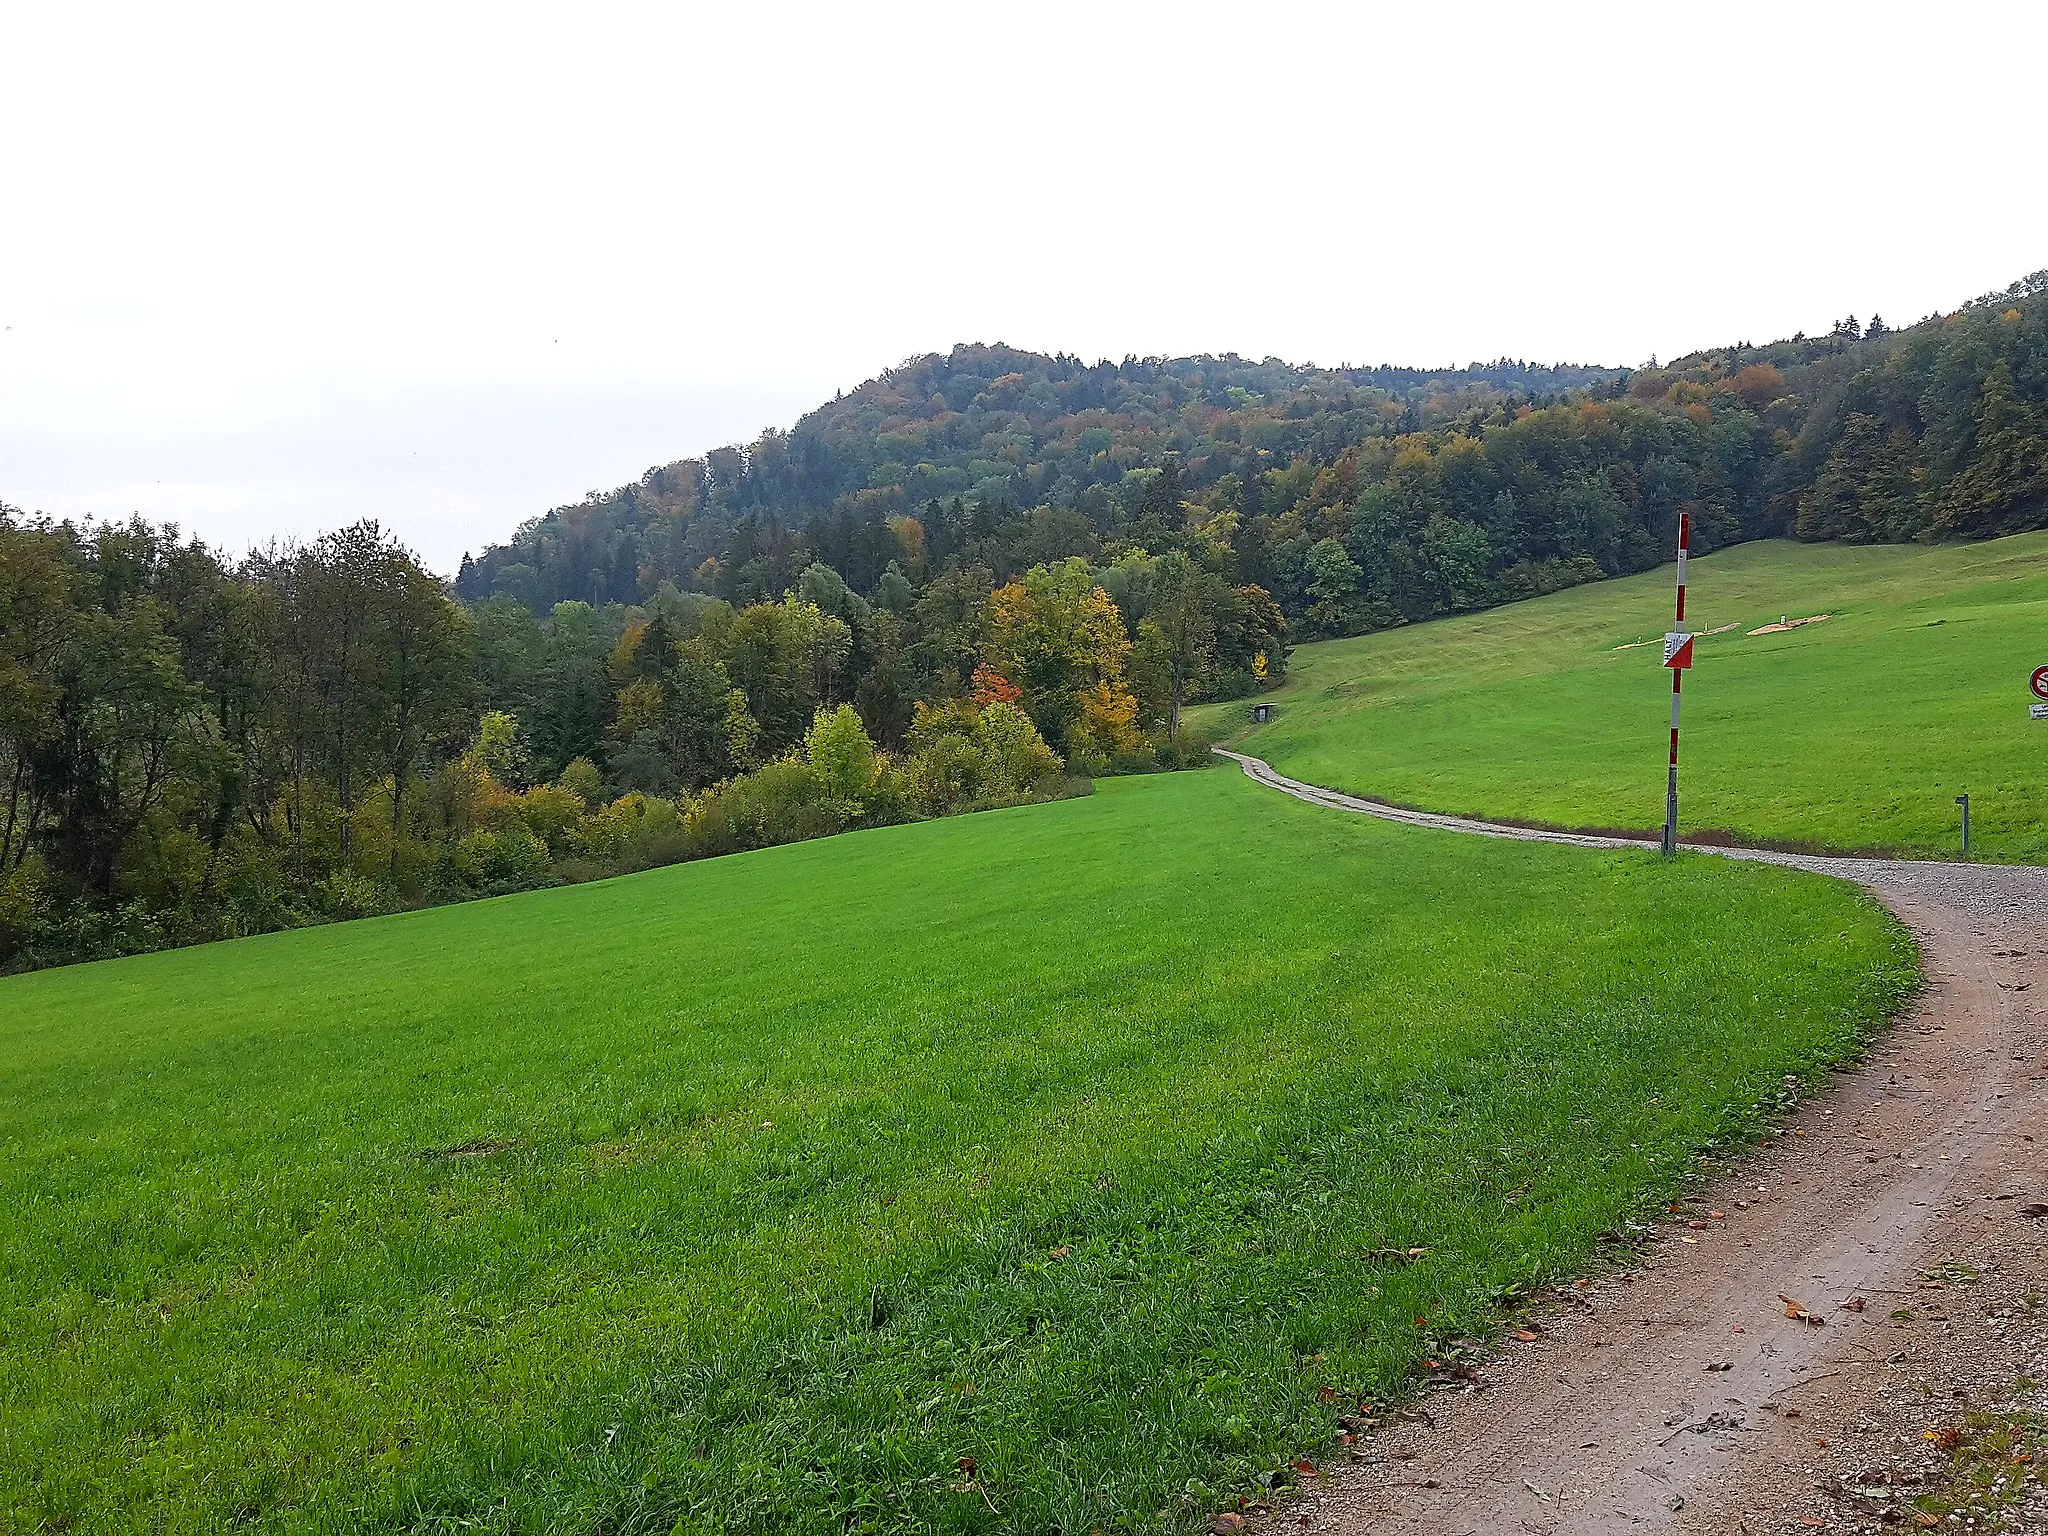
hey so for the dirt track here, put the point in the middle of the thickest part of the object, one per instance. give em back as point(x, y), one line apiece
point(1679, 1396)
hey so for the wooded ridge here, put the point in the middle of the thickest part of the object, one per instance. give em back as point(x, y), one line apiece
point(1358, 498)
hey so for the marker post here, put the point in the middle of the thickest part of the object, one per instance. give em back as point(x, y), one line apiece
point(1678, 657)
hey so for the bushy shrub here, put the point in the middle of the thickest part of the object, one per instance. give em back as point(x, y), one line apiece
point(1016, 764)
point(891, 797)
point(345, 894)
point(944, 772)
point(1156, 752)
point(552, 813)
point(510, 858)
point(635, 831)
point(783, 802)
point(582, 780)
point(962, 756)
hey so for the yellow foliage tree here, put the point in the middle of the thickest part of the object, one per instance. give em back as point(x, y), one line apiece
point(1057, 636)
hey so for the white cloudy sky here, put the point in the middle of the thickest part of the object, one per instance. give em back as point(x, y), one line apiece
point(266, 269)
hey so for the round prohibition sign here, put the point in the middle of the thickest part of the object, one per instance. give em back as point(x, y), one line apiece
point(2039, 682)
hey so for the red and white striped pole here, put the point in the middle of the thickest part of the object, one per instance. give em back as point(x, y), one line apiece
point(1677, 656)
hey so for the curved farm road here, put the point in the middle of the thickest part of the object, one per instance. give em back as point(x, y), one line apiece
point(1679, 1396)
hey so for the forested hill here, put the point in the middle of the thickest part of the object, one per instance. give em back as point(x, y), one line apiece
point(1359, 498)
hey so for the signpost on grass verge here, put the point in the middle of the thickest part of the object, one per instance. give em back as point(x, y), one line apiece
point(1678, 657)
point(2039, 683)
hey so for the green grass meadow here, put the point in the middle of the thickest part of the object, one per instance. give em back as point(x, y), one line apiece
point(1026, 1171)
point(1854, 734)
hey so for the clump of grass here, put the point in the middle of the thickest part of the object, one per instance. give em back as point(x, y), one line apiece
point(1992, 1468)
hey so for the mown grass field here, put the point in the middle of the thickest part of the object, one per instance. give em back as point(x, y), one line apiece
point(756, 1194)
point(1853, 734)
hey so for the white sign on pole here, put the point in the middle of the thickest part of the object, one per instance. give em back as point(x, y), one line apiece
point(2037, 711)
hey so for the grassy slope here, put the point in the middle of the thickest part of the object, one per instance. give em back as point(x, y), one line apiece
point(797, 1140)
point(1857, 733)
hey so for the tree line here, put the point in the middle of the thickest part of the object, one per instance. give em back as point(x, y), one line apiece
point(192, 748)
point(1356, 498)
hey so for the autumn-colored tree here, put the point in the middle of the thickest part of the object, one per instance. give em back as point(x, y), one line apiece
point(991, 687)
point(1757, 385)
point(1107, 725)
point(1055, 634)
point(909, 534)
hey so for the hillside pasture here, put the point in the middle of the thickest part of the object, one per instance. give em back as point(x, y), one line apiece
point(1031, 1170)
point(1851, 734)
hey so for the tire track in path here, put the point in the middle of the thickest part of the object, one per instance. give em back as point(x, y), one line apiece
point(1679, 1396)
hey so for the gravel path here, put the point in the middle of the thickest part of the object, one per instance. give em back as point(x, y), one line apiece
point(2000, 891)
point(1679, 1396)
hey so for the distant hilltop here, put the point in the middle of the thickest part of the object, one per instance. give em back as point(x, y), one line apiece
point(1359, 497)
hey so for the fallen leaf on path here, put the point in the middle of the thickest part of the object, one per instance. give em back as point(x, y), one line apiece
point(1798, 1313)
point(1529, 1334)
point(1853, 1304)
point(1230, 1520)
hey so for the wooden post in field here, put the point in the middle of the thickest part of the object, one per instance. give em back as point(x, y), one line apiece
point(1678, 657)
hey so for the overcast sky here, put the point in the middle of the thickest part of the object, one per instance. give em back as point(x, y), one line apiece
point(267, 269)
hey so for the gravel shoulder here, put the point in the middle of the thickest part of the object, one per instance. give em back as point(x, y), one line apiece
point(1678, 1395)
